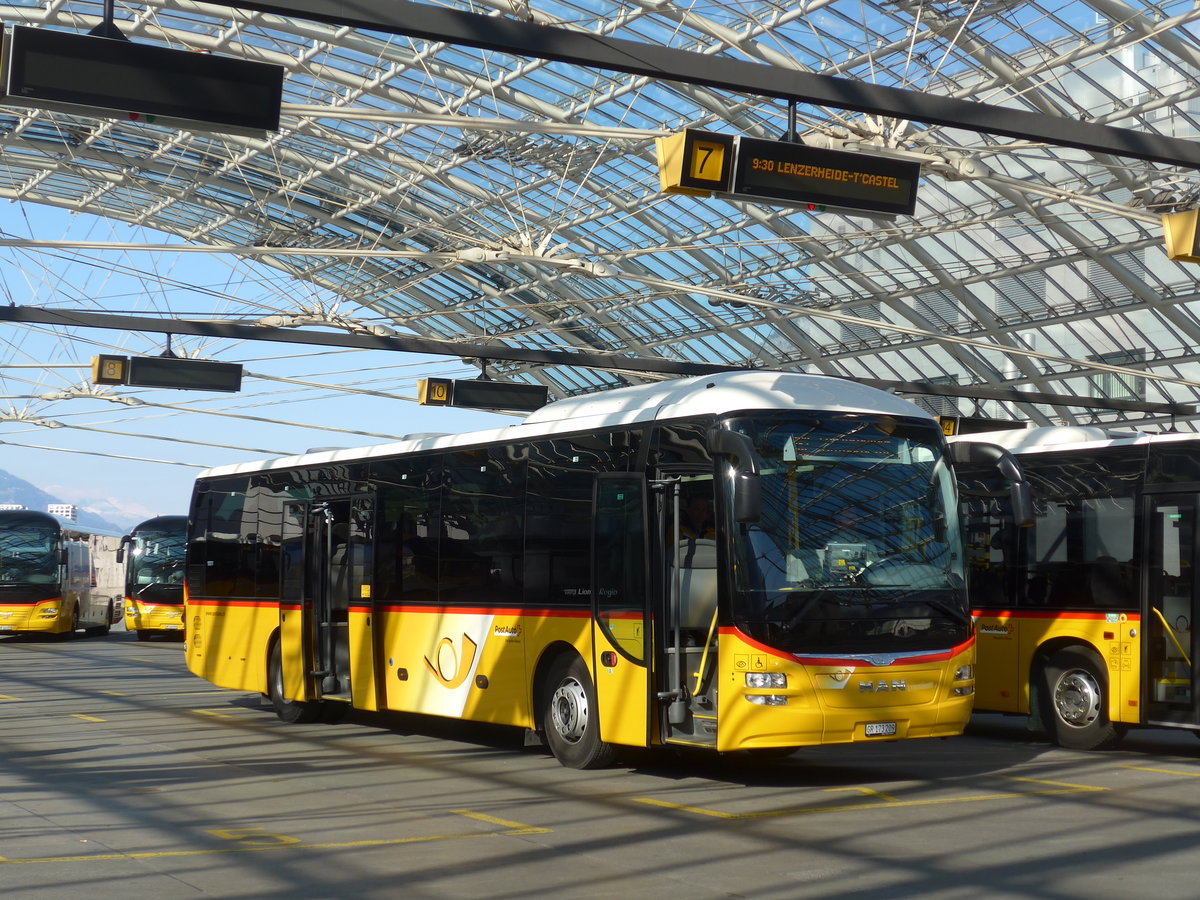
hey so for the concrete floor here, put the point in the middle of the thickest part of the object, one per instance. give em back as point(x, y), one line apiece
point(123, 776)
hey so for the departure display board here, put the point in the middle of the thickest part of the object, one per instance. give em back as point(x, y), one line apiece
point(794, 173)
point(91, 75)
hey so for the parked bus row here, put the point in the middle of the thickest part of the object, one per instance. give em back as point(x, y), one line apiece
point(744, 562)
point(58, 577)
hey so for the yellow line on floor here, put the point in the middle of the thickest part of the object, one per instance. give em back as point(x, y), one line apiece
point(515, 829)
point(1056, 787)
point(1163, 771)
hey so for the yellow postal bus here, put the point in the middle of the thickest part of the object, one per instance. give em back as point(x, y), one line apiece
point(543, 575)
point(56, 577)
point(153, 555)
point(1085, 621)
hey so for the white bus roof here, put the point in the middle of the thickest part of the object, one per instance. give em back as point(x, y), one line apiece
point(726, 392)
point(1070, 437)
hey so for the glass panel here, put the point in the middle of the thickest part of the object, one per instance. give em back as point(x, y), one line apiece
point(558, 523)
point(621, 561)
point(407, 550)
point(1079, 552)
point(1172, 585)
point(27, 552)
point(482, 524)
point(155, 563)
point(858, 547)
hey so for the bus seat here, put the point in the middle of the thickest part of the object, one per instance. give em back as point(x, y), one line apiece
point(697, 582)
point(697, 597)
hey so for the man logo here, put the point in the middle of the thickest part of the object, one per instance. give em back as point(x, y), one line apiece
point(881, 687)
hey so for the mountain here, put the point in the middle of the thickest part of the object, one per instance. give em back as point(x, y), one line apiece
point(16, 490)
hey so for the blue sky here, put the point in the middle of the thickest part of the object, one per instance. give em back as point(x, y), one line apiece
point(136, 456)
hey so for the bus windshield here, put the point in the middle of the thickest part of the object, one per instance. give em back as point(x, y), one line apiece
point(858, 548)
point(157, 559)
point(27, 554)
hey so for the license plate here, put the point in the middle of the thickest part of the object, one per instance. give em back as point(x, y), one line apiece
point(6, 628)
point(880, 729)
point(172, 627)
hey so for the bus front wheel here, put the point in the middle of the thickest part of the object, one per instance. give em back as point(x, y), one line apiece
point(569, 717)
point(1074, 701)
point(291, 711)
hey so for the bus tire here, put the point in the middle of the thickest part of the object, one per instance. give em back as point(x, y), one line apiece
point(569, 717)
point(1073, 696)
point(101, 630)
point(144, 634)
point(74, 626)
point(290, 711)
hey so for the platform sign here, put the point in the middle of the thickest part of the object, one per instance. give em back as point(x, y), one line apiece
point(87, 74)
point(795, 173)
point(1182, 235)
point(695, 162)
point(481, 394)
point(702, 163)
point(167, 372)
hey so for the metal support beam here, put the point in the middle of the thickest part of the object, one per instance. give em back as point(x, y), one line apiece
point(1009, 395)
point(499, 352)
point(242, 332)
point(526, 39)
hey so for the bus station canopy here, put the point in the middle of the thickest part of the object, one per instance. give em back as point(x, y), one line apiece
point(433, 189)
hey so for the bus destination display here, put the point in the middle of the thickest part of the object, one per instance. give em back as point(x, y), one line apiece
point(794, 173)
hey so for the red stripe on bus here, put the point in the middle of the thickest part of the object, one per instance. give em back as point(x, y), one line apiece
point(433, 610)
point(1050, 614)
point(264, 604)
point(495, 611)
point(933, 656)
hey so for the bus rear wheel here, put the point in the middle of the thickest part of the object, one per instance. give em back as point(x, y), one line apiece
point(290, 711)
point(1074, 701)
point(569, 717)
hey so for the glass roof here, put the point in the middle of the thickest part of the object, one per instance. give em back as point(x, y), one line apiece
point(469, 195)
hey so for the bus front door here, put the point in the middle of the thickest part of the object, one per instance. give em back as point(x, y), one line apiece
point(1171, 610)
point(620, 608)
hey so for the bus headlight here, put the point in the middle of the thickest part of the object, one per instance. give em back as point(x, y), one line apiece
point(963, 673)
point(767, 699)
point(766, 680)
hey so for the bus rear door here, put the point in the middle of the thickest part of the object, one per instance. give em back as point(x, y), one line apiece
point(1171, 609)
point(620, 608)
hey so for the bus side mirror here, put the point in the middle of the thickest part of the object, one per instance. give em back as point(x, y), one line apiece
point(128, 539)
point(1022, 504)
point(747, 497)
point(747, 490)
point(980, 455)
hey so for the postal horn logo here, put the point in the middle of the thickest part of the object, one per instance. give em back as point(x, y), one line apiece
point(451, 665)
